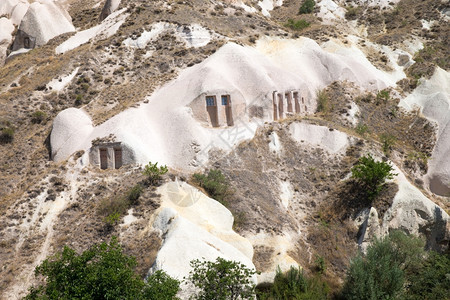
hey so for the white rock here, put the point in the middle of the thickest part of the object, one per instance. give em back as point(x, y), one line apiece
point(200, 228)
point(319, 136)
point(432, 97)
point(70, 126)
point(414, 213)
point(109, 7)
point(44, 20)
point(174, 119)
point(107, 28)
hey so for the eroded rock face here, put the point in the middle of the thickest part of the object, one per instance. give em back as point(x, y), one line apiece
point(411, 212)
point(109, 7)
point(194, 226)
point(43, 21)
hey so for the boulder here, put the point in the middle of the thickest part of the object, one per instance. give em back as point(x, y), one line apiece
point(43, 21)
point(6, 29)
point(109, 7)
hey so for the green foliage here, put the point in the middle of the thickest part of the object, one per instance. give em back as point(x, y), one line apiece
point(377, 275)
point(321, 265)
point(387, 266)
point(101, 272)
point(38, 116)
point(134, 193)
point(161, 286)
point(307, 7)
point(431, 280)
point(361, 129)
point(215, 184)
point(294, 284)
point(372, 174)
point(154, 173)
point(323, 101)
point(112, 219)
point(7, 135)
point(297, 25)
point(78, 100)
point(387, 141)
point(383, 96)
point(222, 280)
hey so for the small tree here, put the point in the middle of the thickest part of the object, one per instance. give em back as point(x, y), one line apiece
point(222, 280)
point(161, 286)
point(101, 272)
point(372, 174)
point(307, 7)
point(154, 173)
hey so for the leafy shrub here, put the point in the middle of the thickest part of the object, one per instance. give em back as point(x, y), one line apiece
point(383, 95)
point(154, 173)
point(387, 141)
point(161, 286)
point(7, 135)
point(307, 7)
point(38, 116)
point(372, 174)
point(215, 184)
point(222, 279)
point(134, 193)
point(431, 279)
point(294, 284)
point(323, 101)
point(101, 272)
point(79, 100)
point(321, 265)
point(376, 275)
point(382, 272)
point(297, 25)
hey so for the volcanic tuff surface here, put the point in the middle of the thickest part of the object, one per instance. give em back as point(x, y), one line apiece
point(291, 108)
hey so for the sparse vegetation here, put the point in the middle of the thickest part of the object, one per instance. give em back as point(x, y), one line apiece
point(372, 174)
point(134, 193)
point(307, 7)
point(323, 101)
point(154, 173)
point(38, 117)
point(297, 25)
point(7, 135)
point(387, 141)
point(361, 129)
point(352, 12)
point(215, 184)
point(383, 95)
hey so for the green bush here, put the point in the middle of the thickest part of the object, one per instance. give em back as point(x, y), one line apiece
point(383, 95)
point(372, 174)
point(154, 173)
point(323, 101)
point(387, 141)
point(134, 193)
point(297, 25)
point(307, 7)
point(215, 184)
point(352, 12)
point(383, 271)
point(431, 280)
point(161, 286)
point(38, 116)
point(7, 135)
point(221, 280)
point(294, 284)
point(101, 272)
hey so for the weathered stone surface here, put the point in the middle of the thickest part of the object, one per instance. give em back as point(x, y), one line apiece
point(109, 7)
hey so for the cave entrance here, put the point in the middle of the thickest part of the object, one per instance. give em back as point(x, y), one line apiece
point(211, 107)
